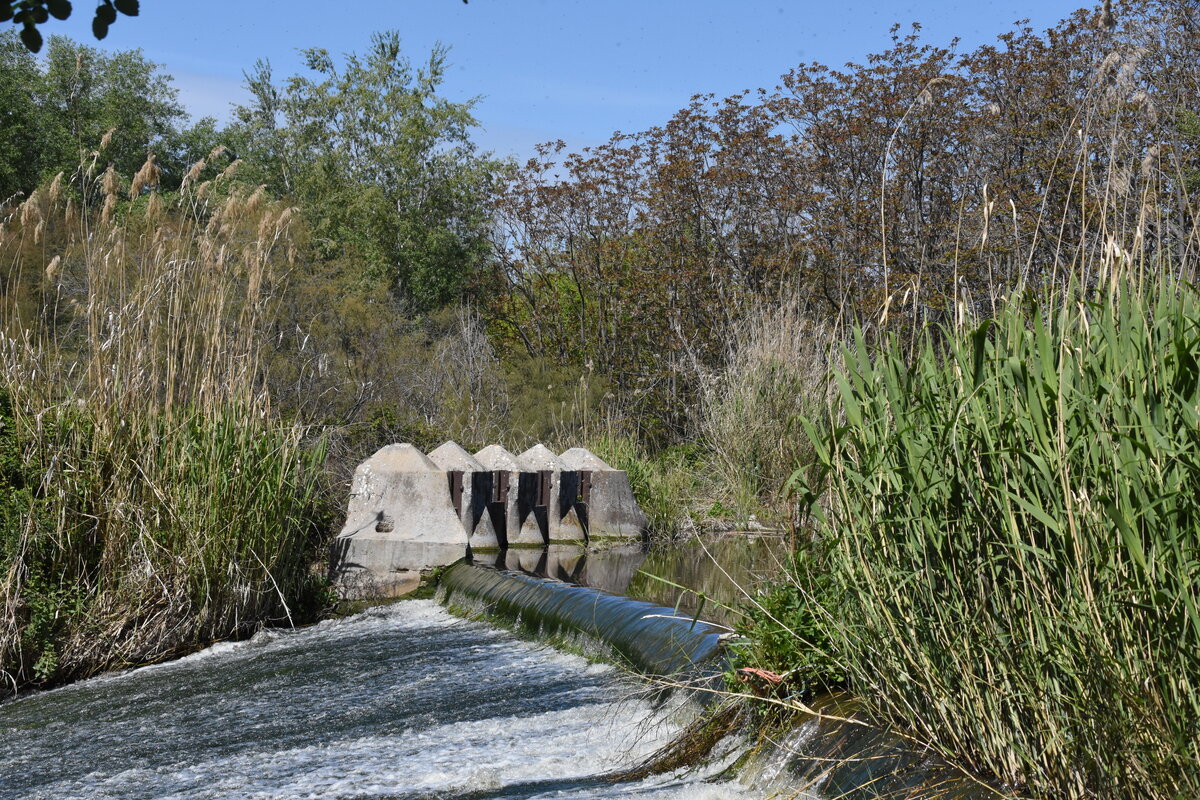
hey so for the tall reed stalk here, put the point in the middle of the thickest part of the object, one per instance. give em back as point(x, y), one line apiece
point(1014, 539)
point(154, 502)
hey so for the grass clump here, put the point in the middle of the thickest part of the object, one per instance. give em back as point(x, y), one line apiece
point(1012, 534)
point(152, 501)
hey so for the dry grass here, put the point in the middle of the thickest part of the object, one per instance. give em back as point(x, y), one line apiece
point(156, 503)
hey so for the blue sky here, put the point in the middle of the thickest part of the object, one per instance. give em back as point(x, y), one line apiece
point(548, 69)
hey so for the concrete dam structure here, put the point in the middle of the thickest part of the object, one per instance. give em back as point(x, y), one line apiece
point(409, 511)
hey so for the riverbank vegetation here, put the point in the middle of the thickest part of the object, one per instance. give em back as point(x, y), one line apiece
point(932, 316)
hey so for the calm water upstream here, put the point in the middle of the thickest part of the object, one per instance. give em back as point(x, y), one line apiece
point(404, 701)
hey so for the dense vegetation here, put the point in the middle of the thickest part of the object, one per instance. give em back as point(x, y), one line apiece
point(932, 314)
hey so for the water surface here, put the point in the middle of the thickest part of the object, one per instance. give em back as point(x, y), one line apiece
point(400, 702)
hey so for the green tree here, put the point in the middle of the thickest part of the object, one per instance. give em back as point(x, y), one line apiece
point(383, 165)
point(88, 92)
point(22, 133)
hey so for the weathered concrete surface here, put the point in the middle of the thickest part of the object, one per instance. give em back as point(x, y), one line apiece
point(504, 508)
point(477, 488)
point(362, 584)
point(555, 520)
point(609, 511)
point(399, 519)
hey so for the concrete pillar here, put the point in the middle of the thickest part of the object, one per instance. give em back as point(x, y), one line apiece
point(557, 490)
point(470, 487)
point(606, 503)
point(503, 508)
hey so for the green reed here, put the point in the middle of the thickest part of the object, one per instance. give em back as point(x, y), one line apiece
point(1013, 524)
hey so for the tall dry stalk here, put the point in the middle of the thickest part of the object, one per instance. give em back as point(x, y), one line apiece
point(157, 503)
point(750, 415)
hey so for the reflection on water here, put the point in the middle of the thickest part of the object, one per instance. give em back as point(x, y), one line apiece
point(722, 569)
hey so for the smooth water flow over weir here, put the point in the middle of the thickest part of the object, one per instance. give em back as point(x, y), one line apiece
point(650, 638)
point(405, 701)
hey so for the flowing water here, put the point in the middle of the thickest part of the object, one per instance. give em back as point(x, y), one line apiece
point(400, 702)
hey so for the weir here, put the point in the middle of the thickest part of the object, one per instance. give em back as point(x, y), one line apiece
point(651, 638)
point(837, 752)
point(409, 512)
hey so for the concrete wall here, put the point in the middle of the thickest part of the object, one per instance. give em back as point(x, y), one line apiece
point(556, 519)
point(474, 484)
point(609, 510)
point(408, 512)
point(503, 509)
point(399, 520)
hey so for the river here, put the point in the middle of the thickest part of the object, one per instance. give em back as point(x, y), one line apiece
point(401, 702)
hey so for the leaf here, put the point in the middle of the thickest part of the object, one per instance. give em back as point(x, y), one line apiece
point(60, 9)
point(6, 11)
point(979, 343)
point(1133, 542)
point(99, 28)
point(106, 14)
point(31, 38)
point(127, 7)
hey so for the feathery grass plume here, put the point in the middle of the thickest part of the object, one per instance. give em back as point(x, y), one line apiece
point(193, 173)
point(146, 178)
point(152, 480)
point(54, 194)
point(230, 170)
point(31, 210)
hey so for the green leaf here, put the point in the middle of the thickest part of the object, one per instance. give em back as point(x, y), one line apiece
point(60, 9)
point(31, 38)
point(128, 7)
point(1133, 542)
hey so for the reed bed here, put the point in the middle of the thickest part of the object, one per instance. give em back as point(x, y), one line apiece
point(154, 503)
point(1013, 536)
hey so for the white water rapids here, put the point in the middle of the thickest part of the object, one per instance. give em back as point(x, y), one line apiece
point(401, 702)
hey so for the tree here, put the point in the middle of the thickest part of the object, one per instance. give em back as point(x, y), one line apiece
point(58, 109)
point(382, 164)
point(22, 132)
point(31, 13)
point(87, 92)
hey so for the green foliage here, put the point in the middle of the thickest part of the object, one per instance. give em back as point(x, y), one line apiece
point(786, 627)
point(196, 527)
point(88, 92)
point(59, 108)
point(29, 14)
point(22, 132)
point(1014, 544)
point(382, 164)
